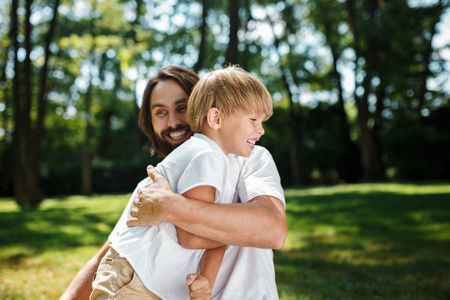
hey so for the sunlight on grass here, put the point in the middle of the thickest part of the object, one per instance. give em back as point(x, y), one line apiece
point(400, 188)
point(361, 241)
point(366, 241)
point(46, 273)
point(46, 247)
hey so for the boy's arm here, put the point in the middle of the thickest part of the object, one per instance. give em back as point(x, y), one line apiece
point(200, 285)
point(191, 241)
point(211, 258)
point(80, 287)
point(210, 263)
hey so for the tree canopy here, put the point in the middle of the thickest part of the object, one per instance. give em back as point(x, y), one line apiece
point(360, 88)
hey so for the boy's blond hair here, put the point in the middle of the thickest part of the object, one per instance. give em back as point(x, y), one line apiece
point(231, 90)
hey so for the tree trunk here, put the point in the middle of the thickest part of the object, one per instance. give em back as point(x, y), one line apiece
point(86, 162)
point(347, 168)
point(201, 49)
point(243, 61)
point(139, 140)
point(138, 136)
point(372, 167)
point(39, 130)
point(5, 162)
point(104, 138)
point(296, 137)
point(370, 159)
point(232, 50)
point(427, 57)
point(27, 190)
point(86, 173)
point(295, 123)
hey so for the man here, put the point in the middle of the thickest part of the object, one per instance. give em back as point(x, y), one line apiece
point(260, 222)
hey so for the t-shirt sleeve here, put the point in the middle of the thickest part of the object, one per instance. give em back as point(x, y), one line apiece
point(259, 176)
point(205, 169)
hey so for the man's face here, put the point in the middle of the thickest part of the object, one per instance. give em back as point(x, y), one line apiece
point(168, 104)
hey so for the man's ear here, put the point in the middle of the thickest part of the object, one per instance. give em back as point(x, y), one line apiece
point(213, 118)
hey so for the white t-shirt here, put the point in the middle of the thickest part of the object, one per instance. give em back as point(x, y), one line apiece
point(154, 252)
point(248, 273)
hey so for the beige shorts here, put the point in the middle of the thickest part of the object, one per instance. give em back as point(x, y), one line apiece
point(116, 279)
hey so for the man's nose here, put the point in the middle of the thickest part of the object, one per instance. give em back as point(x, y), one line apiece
point(173, 121)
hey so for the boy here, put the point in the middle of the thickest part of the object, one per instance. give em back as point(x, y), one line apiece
point(226, 110)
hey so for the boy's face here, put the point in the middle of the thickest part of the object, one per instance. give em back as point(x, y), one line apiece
point(240, 131)
point(168, 103)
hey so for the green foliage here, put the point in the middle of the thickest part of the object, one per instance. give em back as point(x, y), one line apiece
point(417, 150)
point(326, 157)
point(133, 39)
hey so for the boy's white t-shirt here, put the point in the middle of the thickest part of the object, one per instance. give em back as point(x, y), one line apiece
point(154, 252)
point(248, 273)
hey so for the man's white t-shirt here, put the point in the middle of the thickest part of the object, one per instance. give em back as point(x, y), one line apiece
point(154, 252)
point(245, 272)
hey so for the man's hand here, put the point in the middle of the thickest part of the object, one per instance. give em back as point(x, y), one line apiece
point(199, 288)
point(151, 203)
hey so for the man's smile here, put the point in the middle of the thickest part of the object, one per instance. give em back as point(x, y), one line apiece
point(177, 135)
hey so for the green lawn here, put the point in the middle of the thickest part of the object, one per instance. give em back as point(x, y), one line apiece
point(364, 241)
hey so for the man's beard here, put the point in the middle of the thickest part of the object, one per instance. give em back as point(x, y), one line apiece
point(162, 146)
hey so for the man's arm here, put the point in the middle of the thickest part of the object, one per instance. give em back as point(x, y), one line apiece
point(81, 286)
point(263, 217)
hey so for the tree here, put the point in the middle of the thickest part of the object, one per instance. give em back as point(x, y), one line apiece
point(365, 47)
point(28, 133)
point(202, 47)
point(327, 18)
point(232, 50)
point(295, 113)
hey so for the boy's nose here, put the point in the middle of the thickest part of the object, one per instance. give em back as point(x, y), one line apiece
point(260, 129)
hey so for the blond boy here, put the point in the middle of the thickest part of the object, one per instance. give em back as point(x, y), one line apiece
point(226, 110)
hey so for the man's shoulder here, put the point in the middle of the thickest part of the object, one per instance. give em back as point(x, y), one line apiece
point(258, 153)
point(187, 151)
point(260, 150)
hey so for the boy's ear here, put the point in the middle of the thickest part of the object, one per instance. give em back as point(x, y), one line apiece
point(213, 118)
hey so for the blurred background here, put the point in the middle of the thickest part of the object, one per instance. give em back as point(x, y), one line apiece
point(360, 88)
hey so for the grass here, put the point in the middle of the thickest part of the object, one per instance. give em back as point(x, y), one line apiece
point(364, 241)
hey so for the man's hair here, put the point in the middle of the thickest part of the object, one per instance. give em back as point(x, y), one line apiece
point(185, 78)
point(230, 90)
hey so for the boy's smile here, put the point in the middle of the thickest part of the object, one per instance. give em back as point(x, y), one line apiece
point(240, 132)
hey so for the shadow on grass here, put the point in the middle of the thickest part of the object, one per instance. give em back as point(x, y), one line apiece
point(323, 279)
point(366, 246)
point(34, 231)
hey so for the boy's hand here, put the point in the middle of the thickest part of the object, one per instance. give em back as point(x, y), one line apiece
point(199, 288)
